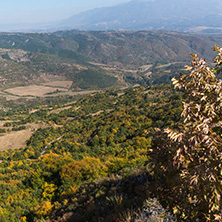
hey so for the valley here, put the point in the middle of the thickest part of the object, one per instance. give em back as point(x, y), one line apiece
point(84, 118)
point(75, 62)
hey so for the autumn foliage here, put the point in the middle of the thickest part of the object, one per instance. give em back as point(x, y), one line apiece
point(190, 156)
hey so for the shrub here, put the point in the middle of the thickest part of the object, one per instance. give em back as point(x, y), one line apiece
point(187, 161)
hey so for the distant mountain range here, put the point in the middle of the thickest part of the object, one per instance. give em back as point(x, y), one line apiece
point(201, 16)
point(182, 15)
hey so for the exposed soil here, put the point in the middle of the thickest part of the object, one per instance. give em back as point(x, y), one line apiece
point(16, 140)
point(32, 90)
point(60, 109)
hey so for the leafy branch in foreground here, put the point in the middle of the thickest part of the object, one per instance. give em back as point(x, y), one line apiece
point(190, 158)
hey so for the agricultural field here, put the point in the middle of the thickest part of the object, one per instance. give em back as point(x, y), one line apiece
point(33, 90)
point(17, 139)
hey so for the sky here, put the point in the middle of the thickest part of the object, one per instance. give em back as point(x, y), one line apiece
point(42, 11)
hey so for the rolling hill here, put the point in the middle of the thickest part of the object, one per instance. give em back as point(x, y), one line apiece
point(94, 60)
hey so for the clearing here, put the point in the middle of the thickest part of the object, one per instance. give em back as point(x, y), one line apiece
point(32, 90)
point(16, 140)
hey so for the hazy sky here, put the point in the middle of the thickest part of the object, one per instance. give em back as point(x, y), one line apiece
point(34, 11)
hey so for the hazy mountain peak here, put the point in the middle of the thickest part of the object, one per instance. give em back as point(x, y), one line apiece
point(183, 15)
point(150, 14)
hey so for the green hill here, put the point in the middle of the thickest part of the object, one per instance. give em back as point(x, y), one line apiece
point(97, 60)
point(65, 156)
point(89, 144)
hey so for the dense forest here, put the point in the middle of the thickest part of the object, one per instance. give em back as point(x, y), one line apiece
point(102, 139)
point(141, 153)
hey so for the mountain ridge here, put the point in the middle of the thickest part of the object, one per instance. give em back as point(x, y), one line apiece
point(115, 58)
point(148, 15)
point(184, 16)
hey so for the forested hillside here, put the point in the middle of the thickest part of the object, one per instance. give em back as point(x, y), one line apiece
point(123, 47)
point(114, 154)
point(115, 59)
point(96, 142)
